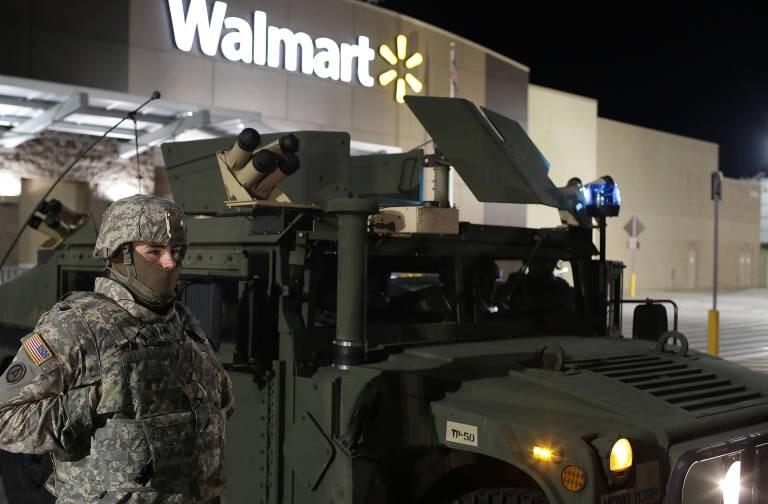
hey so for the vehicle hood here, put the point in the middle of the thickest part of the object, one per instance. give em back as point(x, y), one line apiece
point(604, 384)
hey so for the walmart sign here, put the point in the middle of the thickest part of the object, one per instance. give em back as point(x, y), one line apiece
point(254, 41)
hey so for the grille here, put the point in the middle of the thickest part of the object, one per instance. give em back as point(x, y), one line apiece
point(678, 383)
point(204, 301)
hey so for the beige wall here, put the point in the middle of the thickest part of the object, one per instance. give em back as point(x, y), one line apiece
point(665, 183)
point(740, 234)
point(564, 128)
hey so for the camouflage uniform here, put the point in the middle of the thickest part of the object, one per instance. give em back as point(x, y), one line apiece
point(130, 402)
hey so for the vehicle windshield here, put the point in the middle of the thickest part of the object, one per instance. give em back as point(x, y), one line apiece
point(453, 298)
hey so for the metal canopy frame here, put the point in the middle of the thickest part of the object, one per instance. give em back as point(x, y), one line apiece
point(191, 121)
point(30, 107)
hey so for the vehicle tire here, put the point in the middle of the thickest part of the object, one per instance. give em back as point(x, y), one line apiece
point(24, 478)
point(501, 496)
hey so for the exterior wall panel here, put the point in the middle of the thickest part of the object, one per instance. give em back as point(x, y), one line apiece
point(665, 182)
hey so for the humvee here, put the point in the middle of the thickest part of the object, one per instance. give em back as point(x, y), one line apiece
point(384, 351)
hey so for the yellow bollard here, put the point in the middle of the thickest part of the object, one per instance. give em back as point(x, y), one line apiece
point(632, 285)
point(713, 342)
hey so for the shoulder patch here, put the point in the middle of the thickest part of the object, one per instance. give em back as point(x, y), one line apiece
point(37, 349)
point(15, 373)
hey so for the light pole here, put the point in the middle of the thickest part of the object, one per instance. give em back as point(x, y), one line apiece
point(713, 340)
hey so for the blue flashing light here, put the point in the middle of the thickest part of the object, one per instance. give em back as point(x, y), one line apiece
point(586, 196)
point(602, 199)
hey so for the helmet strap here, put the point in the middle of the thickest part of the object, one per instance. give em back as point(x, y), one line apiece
point(128, 260)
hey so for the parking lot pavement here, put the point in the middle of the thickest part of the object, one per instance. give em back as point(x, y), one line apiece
point(743, 322)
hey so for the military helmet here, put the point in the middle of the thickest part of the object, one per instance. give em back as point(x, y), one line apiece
point(140, 218)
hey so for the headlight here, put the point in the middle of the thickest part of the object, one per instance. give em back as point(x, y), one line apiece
point(713, 481)
point(621, 455)
point(616, 457)
point(731, 484)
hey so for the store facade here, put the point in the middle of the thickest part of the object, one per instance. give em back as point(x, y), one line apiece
point(273, 65)
point(69, 70)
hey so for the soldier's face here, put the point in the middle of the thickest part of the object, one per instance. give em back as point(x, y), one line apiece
point(164, 256)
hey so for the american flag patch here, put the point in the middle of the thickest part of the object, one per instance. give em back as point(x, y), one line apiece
point(37, 349)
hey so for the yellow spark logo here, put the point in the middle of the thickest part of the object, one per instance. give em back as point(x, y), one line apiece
point(410, 63)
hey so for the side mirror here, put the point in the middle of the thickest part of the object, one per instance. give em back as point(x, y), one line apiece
point(649, 322)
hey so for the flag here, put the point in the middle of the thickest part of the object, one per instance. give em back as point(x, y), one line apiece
point(37, 349)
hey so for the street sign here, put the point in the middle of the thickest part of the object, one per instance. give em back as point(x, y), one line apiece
point(634, 227)
point(717, 186)
point(633, 244)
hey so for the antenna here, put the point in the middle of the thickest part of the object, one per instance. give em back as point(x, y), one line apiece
point(136, 139)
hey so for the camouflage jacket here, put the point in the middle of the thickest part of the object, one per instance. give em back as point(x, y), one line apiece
point(58, 396)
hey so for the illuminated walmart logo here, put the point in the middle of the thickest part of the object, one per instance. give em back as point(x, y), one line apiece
point(399, 60)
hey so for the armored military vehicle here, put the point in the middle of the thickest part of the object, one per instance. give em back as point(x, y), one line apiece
point(384, 351)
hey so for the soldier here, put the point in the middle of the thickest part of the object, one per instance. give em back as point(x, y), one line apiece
point(120, 384)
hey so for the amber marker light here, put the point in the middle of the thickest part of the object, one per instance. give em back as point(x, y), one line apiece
point(546, 454)
point(574, 478)
point(621, 455)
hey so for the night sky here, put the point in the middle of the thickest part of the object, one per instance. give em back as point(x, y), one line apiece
point(696, 71)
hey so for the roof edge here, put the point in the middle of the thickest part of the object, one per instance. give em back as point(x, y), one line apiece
point(442, 31)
